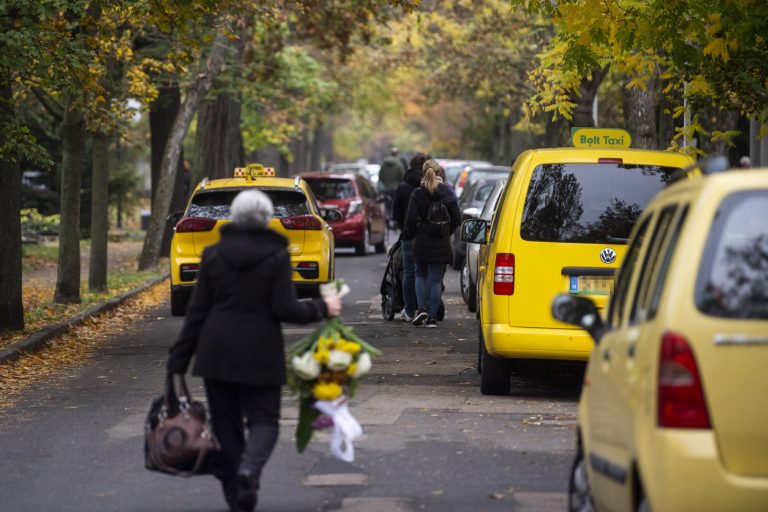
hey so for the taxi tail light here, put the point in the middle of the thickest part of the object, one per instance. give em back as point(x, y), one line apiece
point(504, 274)
point(681, 402)
point(195, 224)
point(301, 222)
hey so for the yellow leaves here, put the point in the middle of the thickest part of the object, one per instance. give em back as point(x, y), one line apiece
point(762, 132)
point(717, 49)
point(698, 86)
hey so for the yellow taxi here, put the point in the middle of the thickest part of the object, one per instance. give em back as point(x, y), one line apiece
point(561, 225)
point(674, 412)
point(296, 216)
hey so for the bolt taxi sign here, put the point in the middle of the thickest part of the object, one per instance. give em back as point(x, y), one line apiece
point(253, 171)
point(600, 138)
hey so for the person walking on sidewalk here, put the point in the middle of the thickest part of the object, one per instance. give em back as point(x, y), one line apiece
point(433, 214)
point(390, 176)
point(243, 292)
point(411, 181)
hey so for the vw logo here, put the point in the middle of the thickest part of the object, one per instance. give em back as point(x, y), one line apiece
point(607, 255)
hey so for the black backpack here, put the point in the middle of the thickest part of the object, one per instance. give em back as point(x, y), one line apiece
point(438, 221)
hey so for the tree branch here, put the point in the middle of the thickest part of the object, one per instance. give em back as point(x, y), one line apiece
point(51, 106)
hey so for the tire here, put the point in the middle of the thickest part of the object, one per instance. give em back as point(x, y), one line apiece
point(441, 311)
point(361, 249)
point(494, 376)
point(579, 493)
point(387, 304)
point(468, 290)
point(179, 301)
point(480, 356)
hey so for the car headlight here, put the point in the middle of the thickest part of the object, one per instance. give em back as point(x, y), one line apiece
point(354, 207)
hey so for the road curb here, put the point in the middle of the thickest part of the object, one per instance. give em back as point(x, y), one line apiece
point(40, 338)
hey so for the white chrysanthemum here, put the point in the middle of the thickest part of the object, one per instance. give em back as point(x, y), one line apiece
point(305, 366)
point(363, 364)
point(339, 360)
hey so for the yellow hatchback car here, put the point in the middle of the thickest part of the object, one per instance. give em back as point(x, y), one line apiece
point(674, 409)
point(296, 216)
point(561, 225)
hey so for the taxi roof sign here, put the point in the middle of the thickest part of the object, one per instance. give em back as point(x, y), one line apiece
point(600, 138)
point(252, 171)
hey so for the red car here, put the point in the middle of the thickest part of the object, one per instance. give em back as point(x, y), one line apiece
point(364, 220)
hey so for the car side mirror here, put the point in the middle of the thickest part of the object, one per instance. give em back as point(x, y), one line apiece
point(174, 217)
point(579, 311)
point(330, 214)
point(473, 231)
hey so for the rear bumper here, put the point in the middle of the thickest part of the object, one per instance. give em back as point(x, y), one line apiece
point(682, 472)
point(537, 343)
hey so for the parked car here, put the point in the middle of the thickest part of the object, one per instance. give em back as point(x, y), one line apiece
point(296, 216)
point(454, 167)
point(472, 200)
point(469, 268)
point(364, 220)
point(561, 225)
point(472, 173)
point(673, 413)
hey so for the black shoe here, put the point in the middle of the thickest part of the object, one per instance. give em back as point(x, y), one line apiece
point(420, 318)
point(431, 322)
point(247, 485)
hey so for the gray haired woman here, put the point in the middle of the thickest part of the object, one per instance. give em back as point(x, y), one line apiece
point(243, 292)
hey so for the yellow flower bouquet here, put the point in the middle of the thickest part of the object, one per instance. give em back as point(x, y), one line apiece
point(324, 370)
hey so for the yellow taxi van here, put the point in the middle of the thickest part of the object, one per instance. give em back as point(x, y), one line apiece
point(296, 216)
point(673, 412)
point(561, 225)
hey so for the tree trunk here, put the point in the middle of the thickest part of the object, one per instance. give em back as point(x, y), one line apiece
point(150, 252)
point(718, 120)
point(162, 113)
point(640, 108)
point(219, 139)
point(11, 303)
point(317, 147)
point(582, 114)
point(73, 160)
point(97, 272)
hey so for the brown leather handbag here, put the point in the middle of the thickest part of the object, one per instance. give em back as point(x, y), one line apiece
point(177, 434)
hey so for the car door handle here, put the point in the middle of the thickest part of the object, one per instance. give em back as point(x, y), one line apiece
point(607, 354)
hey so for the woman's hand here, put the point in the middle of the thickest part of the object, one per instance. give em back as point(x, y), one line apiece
point(333, 304)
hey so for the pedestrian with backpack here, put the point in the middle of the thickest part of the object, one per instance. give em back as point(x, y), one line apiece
point(433, 214)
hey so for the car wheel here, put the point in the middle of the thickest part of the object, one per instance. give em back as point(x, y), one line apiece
point(361, 249)
point(494, 377)
point(579, 493)
point(468, 290)
point(387, 303)
point(480, 356)
point(179, 301)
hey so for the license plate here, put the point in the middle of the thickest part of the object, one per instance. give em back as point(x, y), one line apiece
point(590, 285)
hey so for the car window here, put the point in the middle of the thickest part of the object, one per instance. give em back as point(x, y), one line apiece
point(659, 235)
point(618, 301)
point(498, 211)
point(215, 204)
point(733, 276)
point(667, 258)
point(326, 189)
point(588, 203)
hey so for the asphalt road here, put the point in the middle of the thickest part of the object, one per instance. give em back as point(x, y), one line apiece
point(432, 442)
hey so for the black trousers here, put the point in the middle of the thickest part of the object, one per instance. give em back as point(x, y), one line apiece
point(234, 407)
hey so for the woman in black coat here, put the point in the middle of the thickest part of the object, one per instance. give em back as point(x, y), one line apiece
point(243, 292)
point(431, 244)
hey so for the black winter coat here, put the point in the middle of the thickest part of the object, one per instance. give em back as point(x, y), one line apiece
point(426, 248)
point(411, 181)
point(243, 292)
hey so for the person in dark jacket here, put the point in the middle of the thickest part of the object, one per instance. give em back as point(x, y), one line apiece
point(411, 181)
point(431, 252)
point(243, 292)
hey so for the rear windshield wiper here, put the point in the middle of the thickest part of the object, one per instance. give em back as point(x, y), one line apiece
point(616, 240)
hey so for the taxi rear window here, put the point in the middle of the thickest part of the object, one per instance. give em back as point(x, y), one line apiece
point(331, 188)
point(733, 276)
point(214, 204)
point(588, 203)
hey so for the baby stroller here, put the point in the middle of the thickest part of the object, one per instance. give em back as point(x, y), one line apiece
point(392, 286)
